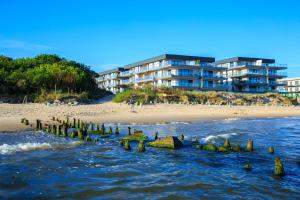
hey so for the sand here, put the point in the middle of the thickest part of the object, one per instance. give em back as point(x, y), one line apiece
point(11, 114)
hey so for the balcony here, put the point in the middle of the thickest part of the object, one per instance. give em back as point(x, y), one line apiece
point(277, 83)
point(248, 73)
point(213, 76)
point(145, 79)
point(277, 74)
point(125, 74)
point(254, 64)
point(249, 82)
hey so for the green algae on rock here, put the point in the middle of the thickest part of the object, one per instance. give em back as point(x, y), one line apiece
point(117, 132)
point(110, 131)
point(96, 140)
point(237, 148)
point(271, 150)
point(127, 145)
point(250, 146)
point(142, 146)
point(210, 147)
point(137, 135)
point(88, 138)
point(170, 142)
point(278, 170)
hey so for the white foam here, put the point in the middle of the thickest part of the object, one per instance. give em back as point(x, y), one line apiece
point(9, 149)
point(212, 138)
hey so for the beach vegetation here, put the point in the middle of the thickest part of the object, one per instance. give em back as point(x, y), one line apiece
point(46, 77)
point(150, 95)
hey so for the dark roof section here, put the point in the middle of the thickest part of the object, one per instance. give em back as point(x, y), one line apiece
point(118, 69)
point(171, 56)
point(246, 59)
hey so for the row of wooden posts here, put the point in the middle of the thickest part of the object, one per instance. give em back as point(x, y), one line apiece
point(82, 133)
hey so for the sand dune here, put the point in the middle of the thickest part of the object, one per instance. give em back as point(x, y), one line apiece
point(11, 114)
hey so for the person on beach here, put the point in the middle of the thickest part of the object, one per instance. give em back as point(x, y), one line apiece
point(131, 103)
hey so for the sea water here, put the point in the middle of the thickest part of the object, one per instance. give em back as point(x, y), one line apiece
point(38, 165)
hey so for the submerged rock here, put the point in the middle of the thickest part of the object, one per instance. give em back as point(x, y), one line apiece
point(248, 167)
point(279, 170)
point(170, 142)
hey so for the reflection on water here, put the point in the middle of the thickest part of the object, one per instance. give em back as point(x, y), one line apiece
point(41, 166)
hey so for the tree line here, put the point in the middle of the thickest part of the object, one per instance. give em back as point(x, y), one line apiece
point(44, 72)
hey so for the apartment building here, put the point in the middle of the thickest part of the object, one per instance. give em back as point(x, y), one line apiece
point(178, 71)
point(109, 80)
point(290, 87)
point(256, 75)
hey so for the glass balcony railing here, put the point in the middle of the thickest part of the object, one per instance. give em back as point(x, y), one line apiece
point(239, 64)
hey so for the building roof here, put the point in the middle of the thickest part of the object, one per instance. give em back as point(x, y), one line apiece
point(246, 59)
point(118, 69)
point(170, 56)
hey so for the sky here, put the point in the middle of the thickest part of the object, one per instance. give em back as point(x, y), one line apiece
point(108, 33)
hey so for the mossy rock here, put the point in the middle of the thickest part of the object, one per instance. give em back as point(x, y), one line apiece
point(236, 148)
point(169, 142)
point(224, 149)
point(278, 170)
point(271, 150)
point(73, 134)
point(127, 146)
point(142, 146)
point(210, 147)
point(88, 138)
point(136, 136)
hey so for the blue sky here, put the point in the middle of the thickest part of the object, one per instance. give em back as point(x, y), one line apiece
point(108, 33)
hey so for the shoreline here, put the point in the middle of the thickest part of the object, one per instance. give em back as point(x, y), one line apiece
point(108, 112)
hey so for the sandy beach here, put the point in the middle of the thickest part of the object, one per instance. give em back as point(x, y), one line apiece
point(11, 114)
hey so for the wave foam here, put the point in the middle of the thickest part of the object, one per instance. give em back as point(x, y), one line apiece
point(9, 149)
point(212, 138)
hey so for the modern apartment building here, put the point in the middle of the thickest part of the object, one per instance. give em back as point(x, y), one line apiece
point(178, 71)
point(239, 74)
point(290, 87)
point(257, 75)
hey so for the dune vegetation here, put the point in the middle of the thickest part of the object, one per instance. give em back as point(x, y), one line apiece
point(150, 95)
point(46, 78)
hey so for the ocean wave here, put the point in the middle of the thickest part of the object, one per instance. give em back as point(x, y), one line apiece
point(13, 148)
point(212, 138)
point(30, 146)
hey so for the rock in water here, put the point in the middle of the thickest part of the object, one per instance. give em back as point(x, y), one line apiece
point(210, 147)
point(248, 167)
point(127, 145)
point(227, 143)
point(117, 130)
point(156, 135)
point(110, 131)
point(271, 150)
point(250, 145)
point(137, 135)
point(181, 137)
point(237, 148)
point(170, 142)
point(279, 170)
point(88, 138)
point(141, 146)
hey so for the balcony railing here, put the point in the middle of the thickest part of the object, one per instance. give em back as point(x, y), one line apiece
point(241, 64)
point(125, 73)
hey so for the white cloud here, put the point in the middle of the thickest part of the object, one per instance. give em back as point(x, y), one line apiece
point(22, 45)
